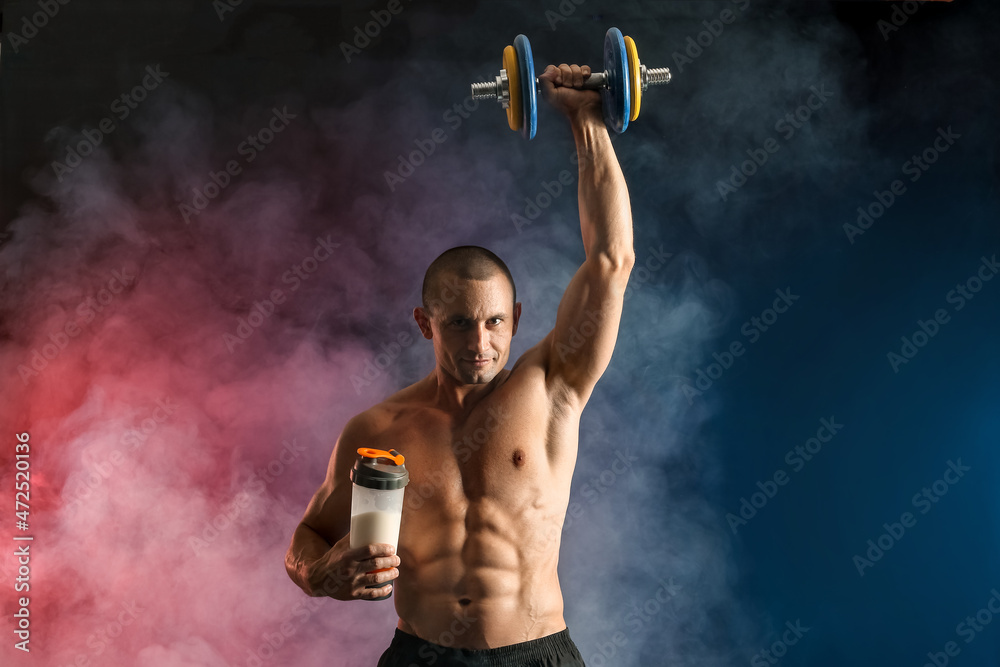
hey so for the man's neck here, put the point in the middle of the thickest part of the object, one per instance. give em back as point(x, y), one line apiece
point(456, 397)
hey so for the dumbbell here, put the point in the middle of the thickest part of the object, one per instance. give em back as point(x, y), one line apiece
point(621, 84)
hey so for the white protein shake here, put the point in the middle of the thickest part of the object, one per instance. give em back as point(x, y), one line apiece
point(375, 528)
point(378, 481)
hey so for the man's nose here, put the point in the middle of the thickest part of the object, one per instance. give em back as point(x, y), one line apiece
point(479, 339)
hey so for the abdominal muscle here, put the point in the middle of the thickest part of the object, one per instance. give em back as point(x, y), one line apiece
point(480, 582)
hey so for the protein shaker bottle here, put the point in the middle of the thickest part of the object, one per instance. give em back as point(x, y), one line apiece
point(379, 479)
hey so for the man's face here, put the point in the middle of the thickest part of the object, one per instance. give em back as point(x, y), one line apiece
point(471, 325)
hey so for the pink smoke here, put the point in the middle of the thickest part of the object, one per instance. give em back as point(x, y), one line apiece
point(183, 386)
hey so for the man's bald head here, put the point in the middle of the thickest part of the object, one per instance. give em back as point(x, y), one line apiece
point(467, 262)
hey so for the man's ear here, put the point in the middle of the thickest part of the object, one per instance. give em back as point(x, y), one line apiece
point(423, 321)
point(517, 316)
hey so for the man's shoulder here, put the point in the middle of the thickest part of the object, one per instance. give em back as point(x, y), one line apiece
point(533, 367)
point(535, 357)
point(380, 416)
point(535, 362)
point(371, 422)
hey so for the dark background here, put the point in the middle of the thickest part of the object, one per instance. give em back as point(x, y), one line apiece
point(696, 457)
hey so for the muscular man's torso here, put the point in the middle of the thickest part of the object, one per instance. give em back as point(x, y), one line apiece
point(484, 509)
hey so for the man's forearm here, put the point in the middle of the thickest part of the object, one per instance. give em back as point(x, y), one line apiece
point(605, 209)
point(307, 547)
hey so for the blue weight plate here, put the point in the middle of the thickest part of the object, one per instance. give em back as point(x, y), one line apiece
point(617, 96)
point(529, 88)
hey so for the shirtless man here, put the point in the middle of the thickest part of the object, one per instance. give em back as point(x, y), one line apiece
point(490, 451)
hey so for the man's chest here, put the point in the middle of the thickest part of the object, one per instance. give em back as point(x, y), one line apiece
point(500, 451)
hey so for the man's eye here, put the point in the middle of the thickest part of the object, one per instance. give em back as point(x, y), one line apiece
point(495, 321)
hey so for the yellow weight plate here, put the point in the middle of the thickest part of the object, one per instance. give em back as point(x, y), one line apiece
point(635, 76)
point(515, 111)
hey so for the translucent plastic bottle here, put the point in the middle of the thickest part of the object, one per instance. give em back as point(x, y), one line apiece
point(379, 480)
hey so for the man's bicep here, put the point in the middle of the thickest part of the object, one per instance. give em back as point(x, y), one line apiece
point(586, 329)
point(329, 511)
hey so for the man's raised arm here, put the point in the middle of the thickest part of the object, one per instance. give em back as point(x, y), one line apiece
point(583, 339)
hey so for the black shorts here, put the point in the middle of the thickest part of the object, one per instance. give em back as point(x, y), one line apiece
point(556, 650)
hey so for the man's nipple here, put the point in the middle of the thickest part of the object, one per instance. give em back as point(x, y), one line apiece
point(519, 458)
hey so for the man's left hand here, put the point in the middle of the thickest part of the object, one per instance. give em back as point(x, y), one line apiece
point(562, 88)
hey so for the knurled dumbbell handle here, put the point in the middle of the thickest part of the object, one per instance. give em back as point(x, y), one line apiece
point(597, 80)
point(649, 77)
